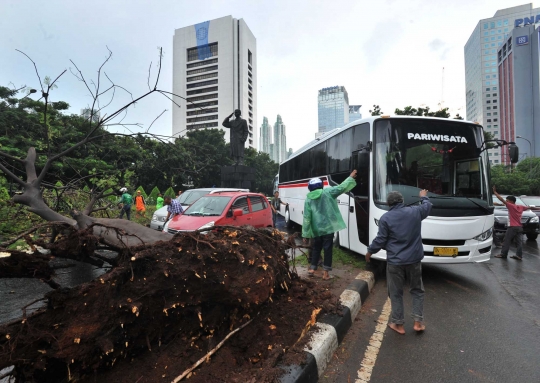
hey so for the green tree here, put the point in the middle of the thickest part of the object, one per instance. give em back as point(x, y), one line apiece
point(169, 192)
point(376, 110)
point(152, 198)
point(265, 170)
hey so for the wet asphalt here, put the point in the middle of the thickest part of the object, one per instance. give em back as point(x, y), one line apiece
point(483, 325)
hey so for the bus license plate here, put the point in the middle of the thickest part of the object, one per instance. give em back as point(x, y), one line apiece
point(445, 251)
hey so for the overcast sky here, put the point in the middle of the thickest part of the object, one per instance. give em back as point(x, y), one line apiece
point(390, 53)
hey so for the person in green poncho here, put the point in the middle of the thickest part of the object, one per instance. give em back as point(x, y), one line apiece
point(322, 219)
point(159, 201)
point(126, 202)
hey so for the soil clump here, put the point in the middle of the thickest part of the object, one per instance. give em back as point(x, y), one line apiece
point(165, 306)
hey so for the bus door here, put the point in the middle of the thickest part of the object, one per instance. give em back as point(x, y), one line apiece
point(358, 224)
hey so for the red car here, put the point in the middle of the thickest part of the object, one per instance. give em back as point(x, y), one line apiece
point(224, 209)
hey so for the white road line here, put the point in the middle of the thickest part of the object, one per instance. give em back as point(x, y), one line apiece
point(372, 350)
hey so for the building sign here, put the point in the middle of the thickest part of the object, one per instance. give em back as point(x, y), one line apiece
point(522, 40)
point(526, 21)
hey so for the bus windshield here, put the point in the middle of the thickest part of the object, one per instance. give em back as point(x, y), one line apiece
point(440, 156)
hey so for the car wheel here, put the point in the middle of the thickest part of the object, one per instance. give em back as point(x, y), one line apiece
point(532, 237)
point(288, 222)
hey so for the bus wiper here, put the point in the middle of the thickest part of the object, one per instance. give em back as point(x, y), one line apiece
point(476, 203)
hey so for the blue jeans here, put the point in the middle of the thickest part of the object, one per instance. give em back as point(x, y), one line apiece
point(125, 209)
point(325, 242)
point(396, 275)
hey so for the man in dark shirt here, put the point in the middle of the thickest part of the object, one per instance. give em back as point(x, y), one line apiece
point(400, 235)
point(276, 202)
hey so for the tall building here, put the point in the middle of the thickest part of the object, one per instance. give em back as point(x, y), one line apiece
point(354, 113)
point(265, 136)
point(215, 70)
point(481, 72)
point(333, 108)
point(519, 88)
point(279, 148)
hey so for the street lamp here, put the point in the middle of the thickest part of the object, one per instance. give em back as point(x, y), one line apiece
point(530, 152)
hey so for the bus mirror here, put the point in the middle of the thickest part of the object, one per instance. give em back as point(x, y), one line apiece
point(513, 150)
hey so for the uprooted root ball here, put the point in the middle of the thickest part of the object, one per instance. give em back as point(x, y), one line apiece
point(193, 285)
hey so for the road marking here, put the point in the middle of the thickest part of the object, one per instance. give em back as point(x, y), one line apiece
point(375, 342)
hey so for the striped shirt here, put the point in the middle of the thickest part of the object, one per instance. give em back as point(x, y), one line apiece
point(175, 207)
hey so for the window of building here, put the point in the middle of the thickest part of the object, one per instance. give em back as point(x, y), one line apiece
point(494, 88)
point(486, 38)
point(202, 111)
point(202, 63)
point(487, 89)
point(489, 126)
point(202, 70)
point(205, 51)
point(495, 126)
point(488, 102)
point(495, 120)
point(499, 37)
point(202, 77)
point(505, 22)
point(486, 33)
point(506, 29)
point(494, 69)
point(205, 125)
point(492, 38)
point(489, 108)
point(488, 95)
point(493, 32)
point(489, 114)
point(492, 25)
point(499, 23)
point(489, 154)
point(205, 118)
point(496, 161)
point(202, 104)
point(205, 90)
point(250, 57)
point(485, 25)
point(203, 83)
point(487, 75)
point(489, 120)
point(496, 132)
point(488, 83)
point(495, 107)
point(492, 44)
point(495, 113)
point(486, 45)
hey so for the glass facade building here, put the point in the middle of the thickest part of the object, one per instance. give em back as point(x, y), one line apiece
point(333, 103)
point(266, 136)
point(354, 113)
point(279, 149)
point(481, 69)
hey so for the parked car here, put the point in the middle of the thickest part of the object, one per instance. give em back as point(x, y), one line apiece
point(533, 202)
point(222, 208)
point(529, 220)
point(186, 199)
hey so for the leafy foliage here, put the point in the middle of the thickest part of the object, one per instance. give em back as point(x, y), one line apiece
point(521, 179)
point(152, 197)
point(376, 110)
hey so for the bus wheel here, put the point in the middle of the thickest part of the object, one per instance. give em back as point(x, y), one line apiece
point(336, 239)
point(288, 222)
point(532, 236)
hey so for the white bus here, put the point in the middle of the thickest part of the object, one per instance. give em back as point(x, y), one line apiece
point(447, 157)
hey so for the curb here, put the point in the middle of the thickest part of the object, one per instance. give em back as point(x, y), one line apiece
point(331, 330)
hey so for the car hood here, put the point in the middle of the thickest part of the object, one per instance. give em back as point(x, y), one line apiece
point(162, 211)
point(190, 222)
point(503, 212)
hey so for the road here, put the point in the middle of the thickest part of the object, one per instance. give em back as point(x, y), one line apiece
point(483, 325)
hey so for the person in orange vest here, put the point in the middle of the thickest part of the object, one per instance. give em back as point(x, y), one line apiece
point(140, 205)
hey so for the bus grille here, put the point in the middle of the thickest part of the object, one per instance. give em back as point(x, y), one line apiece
point(443, 242)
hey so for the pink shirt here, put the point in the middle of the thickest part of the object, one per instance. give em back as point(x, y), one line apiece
point(514, 213)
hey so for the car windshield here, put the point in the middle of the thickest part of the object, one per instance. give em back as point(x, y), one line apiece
point(442, 157)
point(498, 203)
point(208, 206)
point(191, 196)
point(532, 201)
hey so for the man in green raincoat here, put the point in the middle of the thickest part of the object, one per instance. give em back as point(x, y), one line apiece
point(322, 219)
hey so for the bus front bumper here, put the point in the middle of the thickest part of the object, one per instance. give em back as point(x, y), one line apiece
point(472, 251)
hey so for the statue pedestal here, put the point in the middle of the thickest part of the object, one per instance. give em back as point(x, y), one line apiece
point(238, 176)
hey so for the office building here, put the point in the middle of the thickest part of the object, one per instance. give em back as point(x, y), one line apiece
point(354, 113)
point(519, 89)
point(333, 105)
point(481, 70)
point(215, 70)
point(279, 147)
point(265, 136)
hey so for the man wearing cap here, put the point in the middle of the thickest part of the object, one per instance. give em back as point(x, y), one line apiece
point(400, 235)
point(322, 219)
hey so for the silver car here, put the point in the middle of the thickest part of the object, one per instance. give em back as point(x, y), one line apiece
point(185, 199)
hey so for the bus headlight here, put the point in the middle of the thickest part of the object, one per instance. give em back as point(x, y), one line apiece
point(534, 220)
point(485, 235)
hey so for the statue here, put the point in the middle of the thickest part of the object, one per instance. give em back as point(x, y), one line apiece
point(239, 134)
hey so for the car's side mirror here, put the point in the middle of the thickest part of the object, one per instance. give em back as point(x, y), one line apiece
point(238, 212)
point(229, 213)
